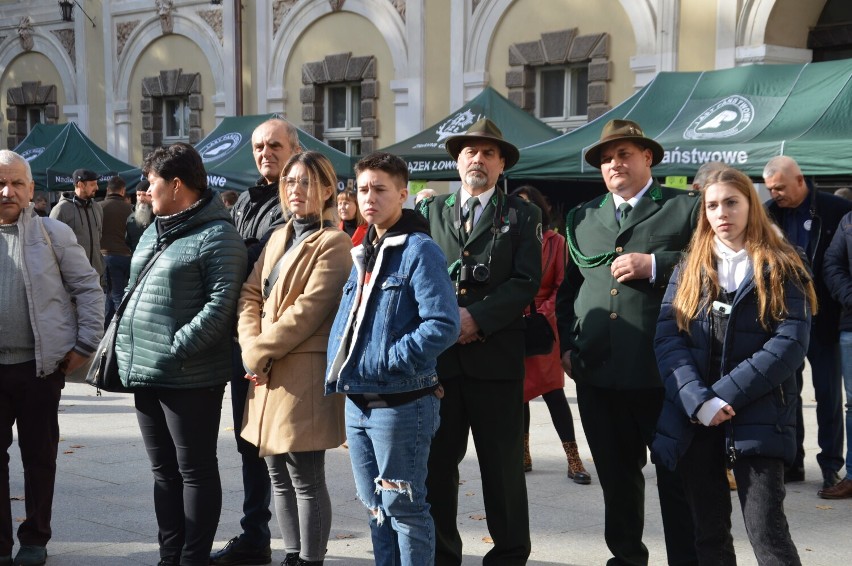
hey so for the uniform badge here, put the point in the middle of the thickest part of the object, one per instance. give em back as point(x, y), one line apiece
point(538, 233)
point(808, 224)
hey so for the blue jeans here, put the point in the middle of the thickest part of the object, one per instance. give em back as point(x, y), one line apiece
point(117, 274)
point(392, 444)
point(846, 364)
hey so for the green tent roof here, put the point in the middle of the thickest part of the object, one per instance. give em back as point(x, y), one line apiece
point(428, 160)
point(55, 151)
point(228, 157)
point(741, 116)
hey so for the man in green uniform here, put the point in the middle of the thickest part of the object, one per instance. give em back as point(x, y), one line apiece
point(493, 247)
point(623, 247)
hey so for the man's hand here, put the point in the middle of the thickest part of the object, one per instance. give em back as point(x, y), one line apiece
point(469, 329)
point(726, 413)
point(631, 266)
point(72, 361)
point(566, 362)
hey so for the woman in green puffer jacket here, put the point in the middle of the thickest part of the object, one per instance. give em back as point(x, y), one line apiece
point(174, 347)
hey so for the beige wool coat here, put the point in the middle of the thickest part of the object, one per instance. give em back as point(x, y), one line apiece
point(285, 338)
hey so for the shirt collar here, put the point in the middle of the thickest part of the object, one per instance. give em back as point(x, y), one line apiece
point(633, 201)
point(483, 198)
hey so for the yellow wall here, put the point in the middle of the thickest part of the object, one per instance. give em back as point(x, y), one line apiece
point(697, 36)
point(436, 76)
point(343, 32)
point(791, 20)
point(161, 55)
point(25, 68)
point(526, 20)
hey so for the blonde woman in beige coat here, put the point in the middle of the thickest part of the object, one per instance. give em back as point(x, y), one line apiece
point(284, 323)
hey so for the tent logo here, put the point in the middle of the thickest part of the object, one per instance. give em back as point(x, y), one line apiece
point(32, 153)
point(726, 118)
point(457, 124)
point(220, 147)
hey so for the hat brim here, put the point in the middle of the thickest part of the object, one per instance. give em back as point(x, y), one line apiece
point(593, 154)
point(455, 144)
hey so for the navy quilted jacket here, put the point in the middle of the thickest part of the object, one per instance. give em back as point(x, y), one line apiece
point(758, 375)
point(178, 328)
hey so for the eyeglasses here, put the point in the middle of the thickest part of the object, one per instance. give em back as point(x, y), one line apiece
point(291, 182)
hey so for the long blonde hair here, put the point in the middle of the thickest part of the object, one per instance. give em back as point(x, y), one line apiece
point(774, 261)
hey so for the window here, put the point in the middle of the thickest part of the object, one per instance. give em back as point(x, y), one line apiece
point(35, 115)
point(175, 120)
point(343, 118)
point(562, 96)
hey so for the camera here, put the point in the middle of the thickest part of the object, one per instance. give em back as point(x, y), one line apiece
point(474, 274)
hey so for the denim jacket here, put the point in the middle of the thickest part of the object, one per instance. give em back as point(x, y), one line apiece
point(406, 317)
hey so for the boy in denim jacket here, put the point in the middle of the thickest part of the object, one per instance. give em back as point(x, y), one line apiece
point(397, 314)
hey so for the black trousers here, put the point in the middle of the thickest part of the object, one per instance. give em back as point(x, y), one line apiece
point(180, 428)
point(493, 411)
point(619, 426)
point(257, 489)
point(33, 403)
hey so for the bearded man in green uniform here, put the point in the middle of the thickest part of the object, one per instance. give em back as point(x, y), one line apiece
point(493, 248)
point(623, 247)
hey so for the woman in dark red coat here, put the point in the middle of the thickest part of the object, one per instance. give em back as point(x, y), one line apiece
point(544, 374)
point(351, 220)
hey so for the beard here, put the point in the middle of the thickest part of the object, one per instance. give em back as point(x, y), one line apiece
point(476, 181)
point(143, 214)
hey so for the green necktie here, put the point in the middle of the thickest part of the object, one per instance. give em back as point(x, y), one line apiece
point(470, 213)
point(624, 210)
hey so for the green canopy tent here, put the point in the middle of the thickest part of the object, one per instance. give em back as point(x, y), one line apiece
point(229, 161)
point(742, 116)
point(428, 160)
point(55, 151)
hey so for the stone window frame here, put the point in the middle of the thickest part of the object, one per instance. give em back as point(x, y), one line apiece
point(169, 84)
point(563, 47)
point(20, 99)
point(340, 68)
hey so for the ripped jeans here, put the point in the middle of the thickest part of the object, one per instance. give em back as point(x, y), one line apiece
point(389, 450)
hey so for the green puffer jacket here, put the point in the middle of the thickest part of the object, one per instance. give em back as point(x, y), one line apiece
point(177, 330)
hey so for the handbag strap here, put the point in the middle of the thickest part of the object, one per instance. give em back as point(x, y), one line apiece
point(126, 299)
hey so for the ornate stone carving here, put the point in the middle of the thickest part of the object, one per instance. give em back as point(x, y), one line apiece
point(336, 5)
point(473, 5)
point(399, 6)
point(122, 34)
point(25, 33)
point(165, 8)
point(214, 20)
point(66, 38)
point(279, 10)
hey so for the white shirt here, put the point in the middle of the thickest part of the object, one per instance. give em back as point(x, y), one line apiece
point(483, 201)
point(731, 267)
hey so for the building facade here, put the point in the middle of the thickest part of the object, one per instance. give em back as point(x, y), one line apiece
point(363, 74)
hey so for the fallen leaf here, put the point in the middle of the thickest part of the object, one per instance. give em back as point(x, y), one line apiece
point(20, 519)
point(477, 517)
point(229, 429)
point(68, 452)
point(77, 446)
point(469, 494)
point(341, 537)
point(824, 507)
point(16, 498)
point(489, 540)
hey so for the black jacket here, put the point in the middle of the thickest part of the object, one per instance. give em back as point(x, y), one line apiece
point(837, 270)
point(254, 213)
point(826, 212)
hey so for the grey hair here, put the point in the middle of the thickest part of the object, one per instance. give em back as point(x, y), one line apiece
point(781, 163)
point(9, 157)
point(292, 132)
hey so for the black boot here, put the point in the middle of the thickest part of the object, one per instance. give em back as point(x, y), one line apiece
point(292, 559)
point(303, 562)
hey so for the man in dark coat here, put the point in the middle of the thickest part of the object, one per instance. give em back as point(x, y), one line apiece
point(493, 247)
point(809, 219)
point(273, 143)
point(623, 247)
